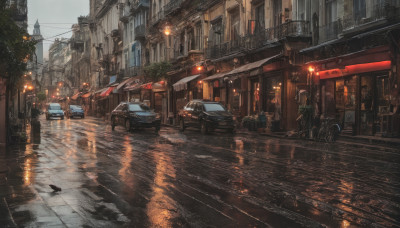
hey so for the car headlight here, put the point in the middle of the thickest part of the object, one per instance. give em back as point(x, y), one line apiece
point(134, 115)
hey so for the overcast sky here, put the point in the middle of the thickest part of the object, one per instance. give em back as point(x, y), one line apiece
point(55, 17)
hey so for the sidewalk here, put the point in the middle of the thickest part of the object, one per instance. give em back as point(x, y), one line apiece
point(372, 140)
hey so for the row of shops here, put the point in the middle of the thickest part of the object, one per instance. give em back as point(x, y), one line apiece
point(357, 89)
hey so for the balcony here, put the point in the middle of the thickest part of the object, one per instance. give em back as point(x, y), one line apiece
point(140, 32)
point(224, 49)
point(115, 33)
point(156, 18)
point(172, 6)
point(371, 16)
point(139, 4)
point(124, 14)
point(260, 38)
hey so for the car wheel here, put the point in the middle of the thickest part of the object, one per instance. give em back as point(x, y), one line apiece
point(47, 117)
point(128, 125)
point(113, 123)
point(157, 129)
point(83, 117)
point(181, 125)
point(203, 128)
point(62, 117)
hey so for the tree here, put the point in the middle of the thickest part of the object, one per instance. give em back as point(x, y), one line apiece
point(16, 47)
point(156, 71)
point(41, 96)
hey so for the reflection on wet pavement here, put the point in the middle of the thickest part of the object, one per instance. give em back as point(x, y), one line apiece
point(172, 179)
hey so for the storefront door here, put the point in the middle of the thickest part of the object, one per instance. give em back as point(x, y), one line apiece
point(254, 96)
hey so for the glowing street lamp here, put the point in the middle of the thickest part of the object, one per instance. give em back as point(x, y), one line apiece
point(167, 30)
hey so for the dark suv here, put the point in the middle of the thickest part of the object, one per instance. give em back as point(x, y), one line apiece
point(206, 115)
point(134, 115)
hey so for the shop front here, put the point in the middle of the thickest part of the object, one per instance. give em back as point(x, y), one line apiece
point(358, 96)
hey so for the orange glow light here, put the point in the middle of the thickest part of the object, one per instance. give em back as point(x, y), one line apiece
point(311, 69)
point(199, 68)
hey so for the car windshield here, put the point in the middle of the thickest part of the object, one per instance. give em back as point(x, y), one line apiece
point(73, 107)
point(212, 107)
point(54, 107)
point(138, 107)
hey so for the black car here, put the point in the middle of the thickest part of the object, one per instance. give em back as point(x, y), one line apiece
point(206, 115)
point(75, 111)
point(54, 110)
point(134, 115)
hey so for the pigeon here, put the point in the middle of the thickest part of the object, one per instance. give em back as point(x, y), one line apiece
point(55, 188)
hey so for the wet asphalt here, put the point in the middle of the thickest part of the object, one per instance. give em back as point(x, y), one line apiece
point(173, 179)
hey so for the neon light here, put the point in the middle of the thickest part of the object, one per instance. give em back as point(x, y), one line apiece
point(355, 69)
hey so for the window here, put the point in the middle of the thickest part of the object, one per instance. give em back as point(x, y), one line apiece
point(234, 24)
point(277, 12)
point(216, 32)
point(331, 11)
point(198, 38)
point(191, 43)
point(301, 10)
point(359, 9)
point(260, 17)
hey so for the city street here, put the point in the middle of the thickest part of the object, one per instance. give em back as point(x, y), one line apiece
point(174, 179)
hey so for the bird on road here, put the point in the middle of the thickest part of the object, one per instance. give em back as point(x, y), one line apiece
point(55, 188)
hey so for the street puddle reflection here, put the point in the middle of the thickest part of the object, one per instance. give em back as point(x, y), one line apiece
point(126, 161)
point(161, 209)
point(239, 185)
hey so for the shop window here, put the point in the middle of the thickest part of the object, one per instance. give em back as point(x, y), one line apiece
point(366, 107)
point(345, 94)
point(255, 97)
point(273, 97)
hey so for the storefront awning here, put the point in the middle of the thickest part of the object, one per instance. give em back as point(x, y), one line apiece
point(215, 76)
point(133, 87)
point(252, 66)
point(107, 92)
point(101, 90)
point(75, 96)
point(86, 95)
point(182, 84)
point(123, 84)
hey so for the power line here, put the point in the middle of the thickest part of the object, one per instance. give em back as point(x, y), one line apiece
point(58, 35)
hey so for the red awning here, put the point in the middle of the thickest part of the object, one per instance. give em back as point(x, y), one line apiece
point(86, 95)
point(147, 85)
point(75, 96)
point(107, 92)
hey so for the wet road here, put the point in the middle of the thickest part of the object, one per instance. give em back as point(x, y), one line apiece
point(172, 179)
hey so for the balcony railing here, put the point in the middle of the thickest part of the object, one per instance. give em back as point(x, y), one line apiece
point(259, 39)
point(140, 32)
point(139, 3)
point(218, 50)
point(157, 18)
point(172, 6)
point(362, 16)
point(124, 14)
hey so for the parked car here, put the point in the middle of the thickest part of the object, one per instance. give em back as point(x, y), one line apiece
point(75, 111)
point(206, 115)
point(54, 110)
point(135, 115)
